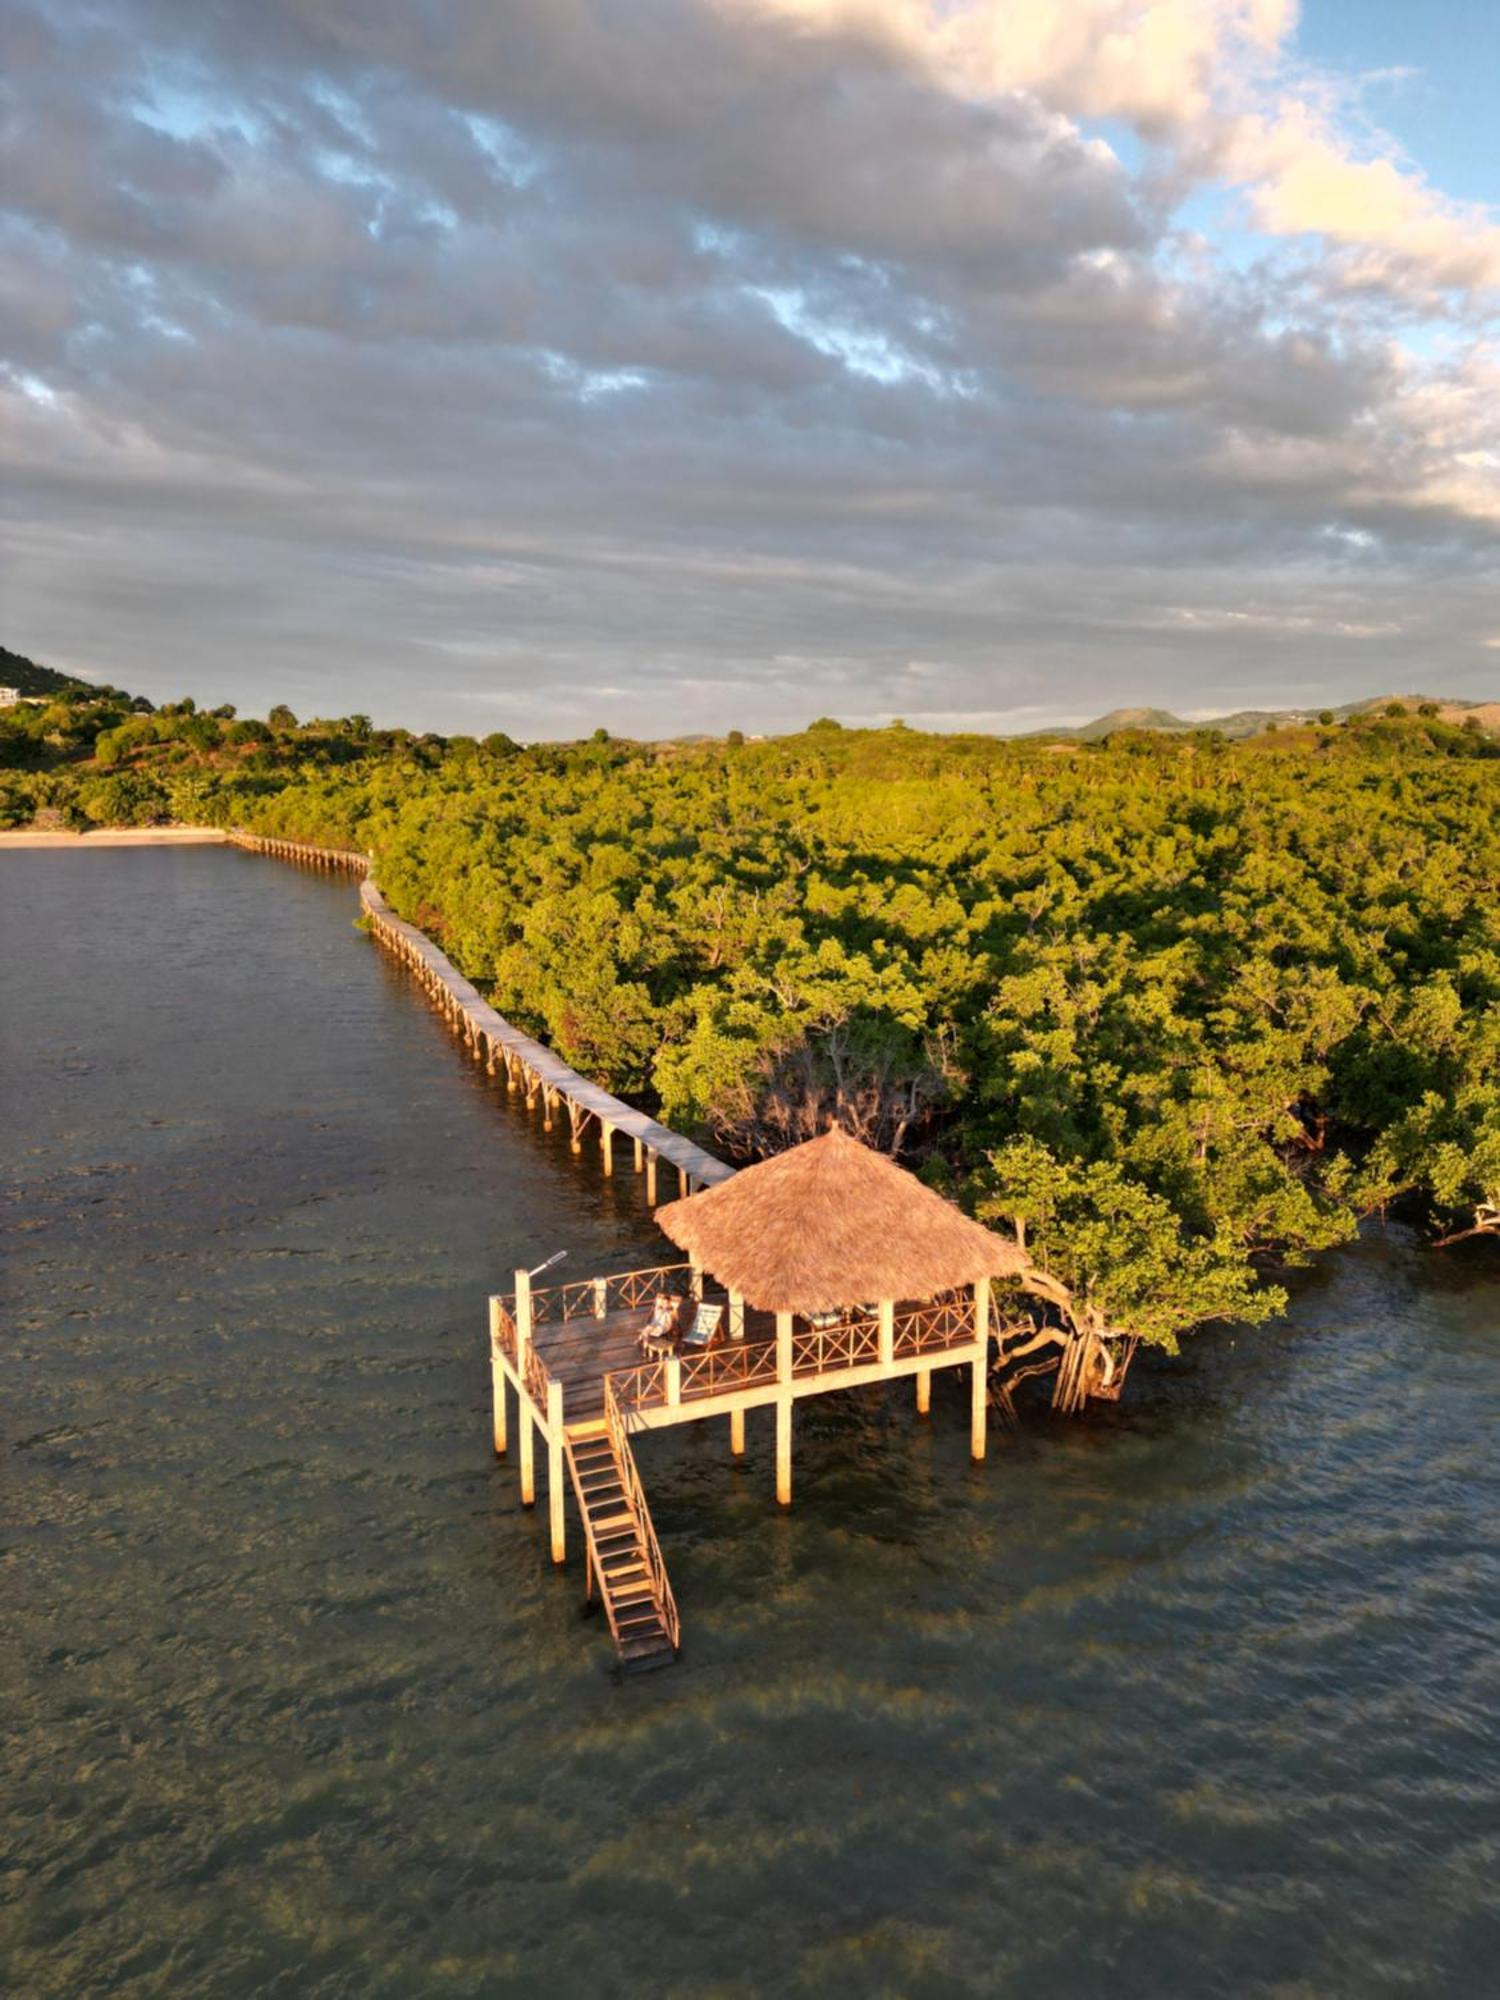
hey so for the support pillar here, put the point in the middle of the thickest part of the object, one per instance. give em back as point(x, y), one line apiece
point(737, 1433)
point(979, 1392)
point(924, 1391)
point(736, 1316)
point(784, 1451)
point(528, 1454)
point(556, 1496)
point(607, 1147)
point(887, 1333)
point(640, 1154)
point(497, 1379)
point(783, 1347)
point(650, 1180)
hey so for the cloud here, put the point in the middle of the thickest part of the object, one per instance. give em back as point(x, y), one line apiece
point(616, 367)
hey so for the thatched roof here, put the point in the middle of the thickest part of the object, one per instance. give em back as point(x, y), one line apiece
point(831, 1224)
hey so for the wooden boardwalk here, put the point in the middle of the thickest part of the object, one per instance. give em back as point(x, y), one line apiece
point(528, 1065)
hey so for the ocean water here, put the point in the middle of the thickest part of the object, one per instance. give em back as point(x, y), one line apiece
point(1201, 1697)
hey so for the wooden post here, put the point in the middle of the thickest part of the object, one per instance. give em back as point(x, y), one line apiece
point(783, 1347)
point(528, 1453)
point(650, 1180)
point(736, 1316)
point(674, 1379)
point(684, 1182)
point(979, 1391)
point(784, 1451)
point(556, 1498)
point(887, 1333)
point(924, 1391)
point(497, 1378)
point(606, 1147)
point(640, 1152)
point(737, 1433)
point(523, 1322)
point(697, 1279)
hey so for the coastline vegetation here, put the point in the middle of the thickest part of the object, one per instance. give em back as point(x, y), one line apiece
point(1179, 1011)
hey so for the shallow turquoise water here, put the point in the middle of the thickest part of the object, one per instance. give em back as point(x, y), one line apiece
point(1198, 1699)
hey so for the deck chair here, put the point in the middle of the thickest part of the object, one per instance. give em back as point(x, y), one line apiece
point(659, 1335)
point(704, 1331)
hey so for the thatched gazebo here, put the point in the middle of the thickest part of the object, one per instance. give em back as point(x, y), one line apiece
point(831, 1224)
point(832, 1227)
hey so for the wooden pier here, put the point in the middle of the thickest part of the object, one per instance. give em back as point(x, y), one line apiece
point(801, 1240)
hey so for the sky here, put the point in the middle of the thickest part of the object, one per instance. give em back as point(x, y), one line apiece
point(681, 365)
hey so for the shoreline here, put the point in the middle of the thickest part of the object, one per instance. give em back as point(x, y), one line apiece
point(114, 836)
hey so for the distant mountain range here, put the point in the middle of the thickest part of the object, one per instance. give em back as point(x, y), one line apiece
point(1251, 721)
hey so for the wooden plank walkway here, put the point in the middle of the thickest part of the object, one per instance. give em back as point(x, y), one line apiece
point(529, 1065)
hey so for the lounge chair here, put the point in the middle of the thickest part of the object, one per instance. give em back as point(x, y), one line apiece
point(705, 1331)
point(659, 1335)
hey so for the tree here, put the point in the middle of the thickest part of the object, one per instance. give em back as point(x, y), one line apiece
point(1115, 1265)
point(281, 718)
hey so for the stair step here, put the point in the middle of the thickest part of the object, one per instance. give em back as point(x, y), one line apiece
point(641, 1626)
point(648, 1652)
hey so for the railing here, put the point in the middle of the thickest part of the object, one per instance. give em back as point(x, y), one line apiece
point(535, 1376)
point(505, 1327)
point(941, 1323)
point(666, 1603)
point(738, 1364)
point(596, 1298)
point(819, 1349)
point(282, 849)
point(532, 1369)
point(816, 1350)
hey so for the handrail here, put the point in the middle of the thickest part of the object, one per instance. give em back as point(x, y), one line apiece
point(534, 1373)
point(299, 850)
point(666, 1603)
point(931, 1328)
point(533, 1370)
point(593, 1298)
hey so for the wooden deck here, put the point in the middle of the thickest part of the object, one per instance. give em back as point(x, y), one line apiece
point(570, 1355)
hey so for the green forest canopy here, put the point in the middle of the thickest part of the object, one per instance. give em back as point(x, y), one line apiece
point(1178, 1009)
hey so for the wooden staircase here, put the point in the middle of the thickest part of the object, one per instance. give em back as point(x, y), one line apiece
point(623, 1553)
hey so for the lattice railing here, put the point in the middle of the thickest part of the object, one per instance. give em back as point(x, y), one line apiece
point(535, 1376)
point(737, 1365)
point(816, 1350)
point(596, 1298)
point(505, 1328)
point(941, 1323)
point(822, 1350)
point(638, 1388)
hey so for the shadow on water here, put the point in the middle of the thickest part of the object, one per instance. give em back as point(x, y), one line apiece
point(1198, 1699)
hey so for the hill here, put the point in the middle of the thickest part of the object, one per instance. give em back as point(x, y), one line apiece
point(1251, 721)
point(28, 678)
